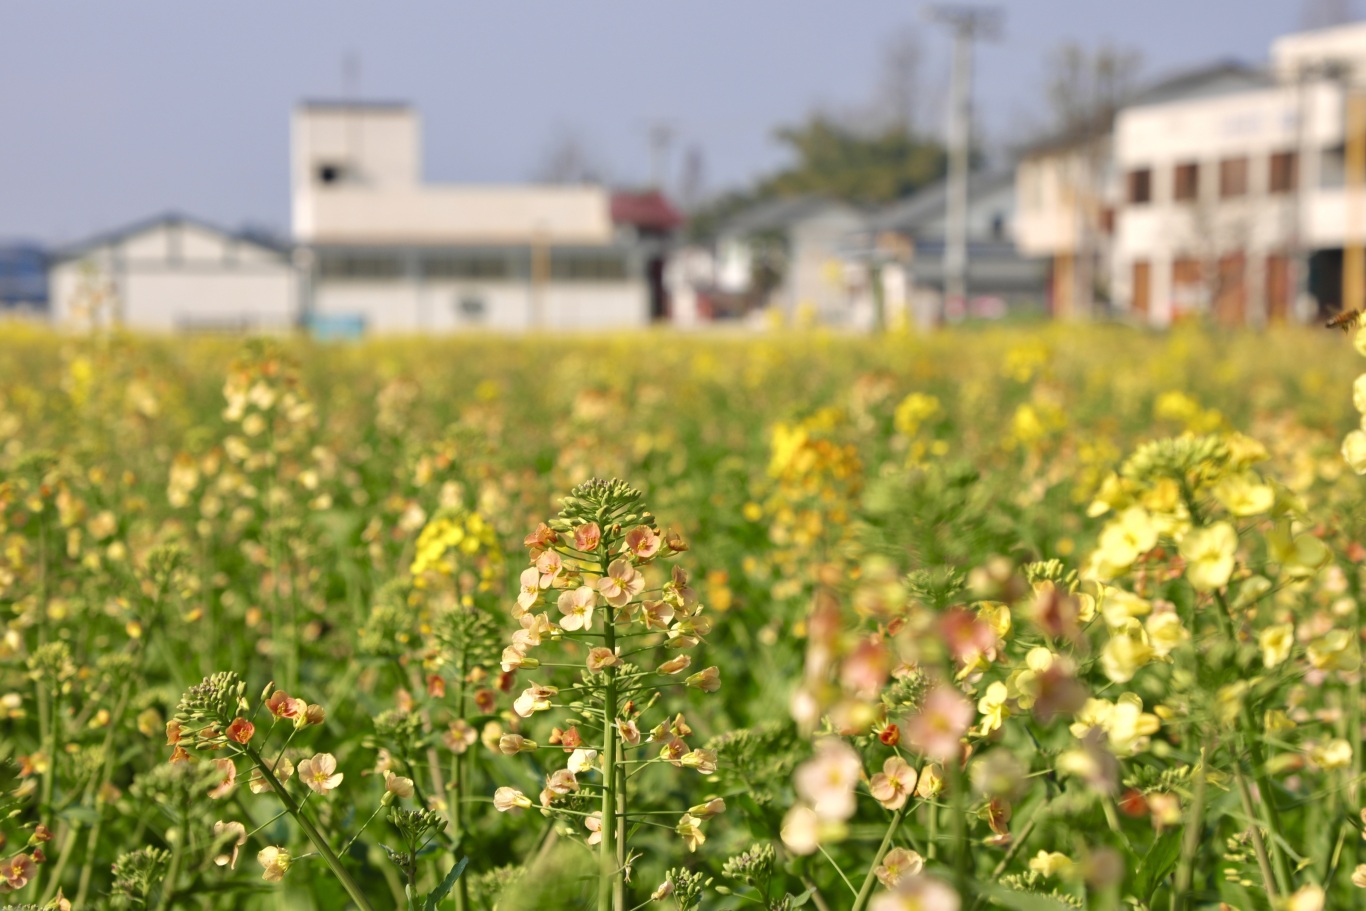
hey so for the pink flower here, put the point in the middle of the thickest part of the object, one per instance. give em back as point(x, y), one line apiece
point(276, 861)
point(283, 770)
point(893, 784)
point(229, 833)
point(629, 732)
point(586, 537)
point(601, 658)
point(642, 542)
point(508, 799)
point(657, 614)
point(827, 780)
point(281, 705)
point(550, 565)
point(534, 628)
point(460, 736)
point(621, 584)
point(535, 698)
point(703, 761)
point(938, 730)
point(561, 782)
point(16, 872)
point(675, 665)
point(918, 893)
point(530, 582)
point(677, 589)
point(897, 863)
point(515, 659)
point(593, 824)
point(229, 780)
point(512, 744)
point(708, 681)
point(577, 607)
point(714, 807)
point(320, 773)
point(398, 785)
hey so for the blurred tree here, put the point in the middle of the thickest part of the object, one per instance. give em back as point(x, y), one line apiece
point(568, 159)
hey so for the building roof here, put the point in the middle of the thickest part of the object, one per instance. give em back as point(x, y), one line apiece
point(648, 210)
point(1219, 78)
point(779, 213)
point(344, 104)
point(928, 204)
point(80, 248)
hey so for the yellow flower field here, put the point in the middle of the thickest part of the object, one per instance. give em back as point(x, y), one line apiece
point(1031, 618)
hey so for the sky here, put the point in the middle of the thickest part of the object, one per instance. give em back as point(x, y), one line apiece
point(112, 112)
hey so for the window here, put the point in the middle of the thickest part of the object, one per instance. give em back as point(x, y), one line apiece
point(1142, 288)
point(588, 266)
point(471, 307)
point(1284, 172)
point(471, 265)
point(1233, 177)
point(998, 226)
point(1333, 168)
point(360, 266)
point(1186, 182)
point(1140, 186)
point(330, 172)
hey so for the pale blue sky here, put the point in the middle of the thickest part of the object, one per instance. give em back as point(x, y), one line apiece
point(110, 112)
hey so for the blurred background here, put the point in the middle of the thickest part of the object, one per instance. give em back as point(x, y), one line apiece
point(349, 169)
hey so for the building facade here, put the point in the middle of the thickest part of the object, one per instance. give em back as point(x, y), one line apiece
point(383, 251)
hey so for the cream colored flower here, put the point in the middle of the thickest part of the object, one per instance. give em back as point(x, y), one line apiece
point(229, 833)
point(320, 773)
point(1209, 555)
point(897, 863)
point(894, 784)
point(507, 799)
point(1276, 641)
point(276, 861)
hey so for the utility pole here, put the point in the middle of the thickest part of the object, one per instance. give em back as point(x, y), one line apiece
point(968, 23)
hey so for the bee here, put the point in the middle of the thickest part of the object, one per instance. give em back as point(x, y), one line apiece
point(1346, 320)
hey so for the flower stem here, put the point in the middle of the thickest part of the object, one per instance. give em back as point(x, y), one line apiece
point(1190, 843)
point(329, 857)
point(608, 868)
point(865, 893)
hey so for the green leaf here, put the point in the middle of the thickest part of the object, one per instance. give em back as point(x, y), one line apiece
point(1024, 901)
point(799, 901)
point(1159, 862)
point(444, 889)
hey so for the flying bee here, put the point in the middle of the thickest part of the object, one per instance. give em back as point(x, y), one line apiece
point(1346, 320)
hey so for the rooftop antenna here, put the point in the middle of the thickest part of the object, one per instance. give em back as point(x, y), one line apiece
point(967, 23)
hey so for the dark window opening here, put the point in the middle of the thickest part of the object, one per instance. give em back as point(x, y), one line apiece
point(998, 226)
point(1140, 186)
point(330, 173)
point(468, 266)
point(1186, 182)
point(1284, 172)
point(1233, 177)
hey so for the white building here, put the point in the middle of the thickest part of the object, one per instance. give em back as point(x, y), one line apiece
point(174, 273)
point(387, 252)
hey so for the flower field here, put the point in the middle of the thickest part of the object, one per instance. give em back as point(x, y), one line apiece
point(1029, 619)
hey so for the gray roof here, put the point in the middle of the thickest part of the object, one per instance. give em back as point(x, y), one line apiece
point(777, 214)
point(80, 248)
point(1220, 78)
point(911, 213)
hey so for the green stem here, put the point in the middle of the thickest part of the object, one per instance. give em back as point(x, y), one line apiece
point(865, 893)
point(1190, 843)
point(329, 857)
point(1258, 844)
point(607, 861)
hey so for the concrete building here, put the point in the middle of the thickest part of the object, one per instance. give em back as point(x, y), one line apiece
point(174, 273)
point(909, 238)
point(792, 254)
point(386, 252)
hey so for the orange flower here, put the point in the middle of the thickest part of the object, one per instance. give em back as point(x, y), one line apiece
point(16, 872)
point(241, 730)
point(642, 542)
point(586, 537)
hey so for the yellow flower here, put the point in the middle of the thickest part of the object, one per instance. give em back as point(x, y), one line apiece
point(1335, 754)
point(1300, 556)
point(1354, 450)
point(1051, 863)
point(997, 616)
point(1165, 632)
point(1209, 555)
point(1119, 606)
point(1245, 495)
point(1277, 721)
point(1276, 642)
point(1334, 651)
point(992, 705)
point(1126, 652)
point(1128, 536)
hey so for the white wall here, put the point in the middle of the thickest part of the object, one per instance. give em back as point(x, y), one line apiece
point(400, 307)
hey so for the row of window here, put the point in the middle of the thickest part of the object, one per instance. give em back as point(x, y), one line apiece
point(1221, 285)
point(564, 266)
point(1232, 173)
